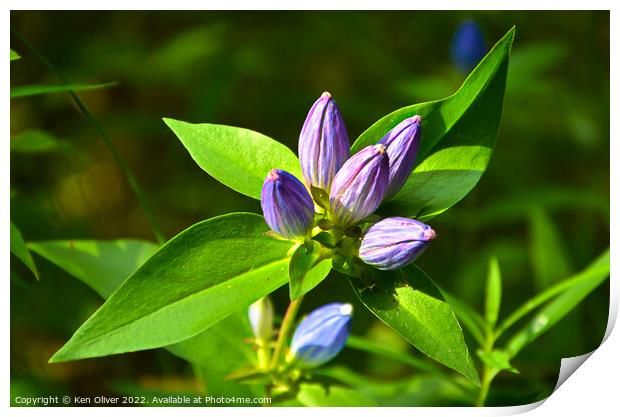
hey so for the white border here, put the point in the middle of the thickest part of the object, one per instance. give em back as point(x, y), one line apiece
point(593, 388)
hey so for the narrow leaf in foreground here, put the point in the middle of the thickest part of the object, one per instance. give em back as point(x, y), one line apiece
point(35, 90)
point(19, 249)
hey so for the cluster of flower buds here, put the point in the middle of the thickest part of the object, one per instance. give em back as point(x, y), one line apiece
point(321, 335)
point(354, 186)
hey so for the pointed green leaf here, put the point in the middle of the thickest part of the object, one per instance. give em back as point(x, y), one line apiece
point(553, 312)
point(498, 360)
point(411, 304)
point(318, 395)
point(199, 277)
point(493, 293)
point(20, 250)
point(102, 265)
point(35, 90)
point(14, 55)
point(307, 269)
point(458, 137)
point(549, 259)
point(238, 158)
point(36, 141)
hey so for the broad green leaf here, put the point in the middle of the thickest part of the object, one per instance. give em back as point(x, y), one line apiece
point(411, 304)
point(35, 90)
point(553, 312)
point(14, 55)
point(493, 293)
point(35, 141)
point(307, 269)
point(20, 250)
point(238, 158)
point(497, 360)
point(316, 395)
point(199, 277)
point(547, 251)
point(458, 137)
point(102, 265)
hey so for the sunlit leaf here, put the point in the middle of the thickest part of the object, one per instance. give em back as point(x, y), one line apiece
point(411, 304)
point(458, 137)
point(14, 56)
point(307, 269)
point(20, 250)
point(185, 288)
point(238, 158)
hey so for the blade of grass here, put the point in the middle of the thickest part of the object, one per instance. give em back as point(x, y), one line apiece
point(593, 270)
point(131, 179)
point(39, 89)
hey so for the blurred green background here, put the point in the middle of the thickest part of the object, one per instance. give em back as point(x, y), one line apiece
point(542, 207)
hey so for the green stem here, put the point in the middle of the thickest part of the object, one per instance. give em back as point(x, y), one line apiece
point(131, 179)
point(287, 323)
point(488, 373)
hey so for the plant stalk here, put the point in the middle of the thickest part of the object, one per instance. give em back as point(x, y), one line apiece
point(285, 328)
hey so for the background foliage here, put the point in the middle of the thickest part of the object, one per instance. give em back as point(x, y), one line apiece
point(542, 208)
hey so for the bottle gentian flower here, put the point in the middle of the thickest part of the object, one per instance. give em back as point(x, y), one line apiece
point(394, 242)
point(260, 314)
point(468, 46)
point(402, 144)
point(323, 143)
point(321, 335)
point(360, 185)
point(287, 205)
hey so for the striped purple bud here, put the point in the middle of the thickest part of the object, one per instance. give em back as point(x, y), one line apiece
point(323, 143)
point(287, 205)
point(394, 242)
point(321, 335)
point(360, 185)
point(402, 144)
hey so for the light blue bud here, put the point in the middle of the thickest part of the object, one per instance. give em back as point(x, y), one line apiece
point(321, 335)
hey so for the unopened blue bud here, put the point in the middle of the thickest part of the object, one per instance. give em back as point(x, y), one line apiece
point(402, 144)
point(468, 46)
point(323, 143)
point(360, 185)
point(260, 314)
point(321, 335)
point(394, 242)
point(287, 205)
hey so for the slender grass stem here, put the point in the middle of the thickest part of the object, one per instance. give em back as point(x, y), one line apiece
point(287, 323)
point(131, 179)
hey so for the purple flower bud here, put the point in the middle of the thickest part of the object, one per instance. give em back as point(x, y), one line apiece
point(323, 143)
point(402, 144)
point(287, 205)
point(360, 185)
point(321, 335)
point(394, 242)
point(468, 46)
